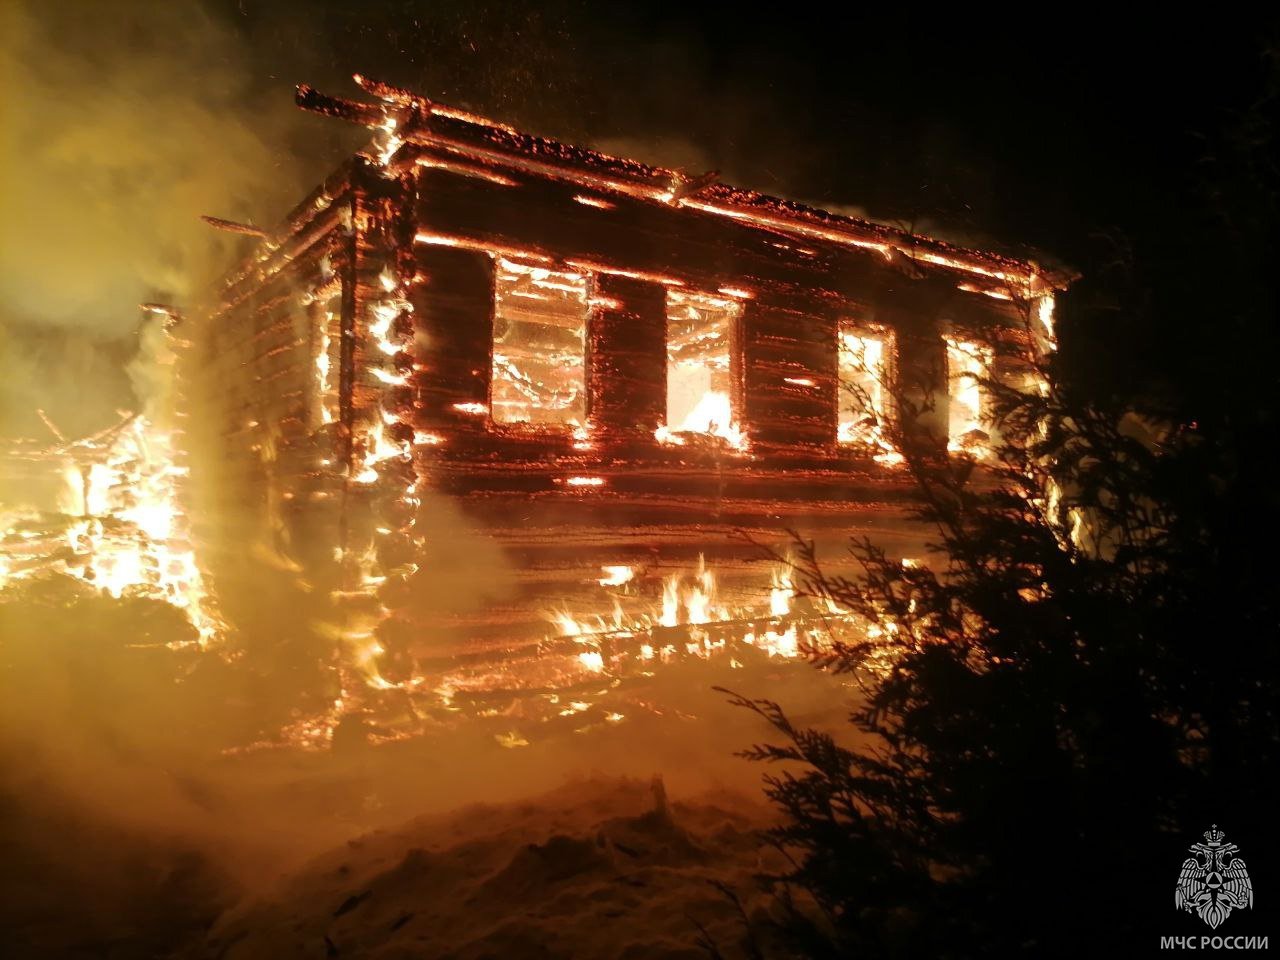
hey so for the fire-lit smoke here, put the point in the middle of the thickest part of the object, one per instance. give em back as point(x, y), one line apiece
point(123, 123)
point(132, 120)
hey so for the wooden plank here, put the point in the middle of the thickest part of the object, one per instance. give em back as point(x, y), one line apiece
point(453, 309)
point(626, 355)
point(778, 344)
point(542, 217)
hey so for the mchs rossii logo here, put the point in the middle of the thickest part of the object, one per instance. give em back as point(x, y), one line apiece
point(1213, 881)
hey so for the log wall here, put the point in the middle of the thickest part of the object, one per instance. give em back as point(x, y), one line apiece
point(504, 531)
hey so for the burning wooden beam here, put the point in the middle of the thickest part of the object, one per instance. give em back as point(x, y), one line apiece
point(365, 114)
point(388, 92)
point(683, 187)
point(44, 418)
point(172, 316)
point(233, 226)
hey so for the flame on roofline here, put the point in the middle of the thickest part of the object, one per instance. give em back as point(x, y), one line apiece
point(423, 122)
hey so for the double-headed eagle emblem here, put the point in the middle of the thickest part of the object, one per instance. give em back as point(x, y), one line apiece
point(1214, 881)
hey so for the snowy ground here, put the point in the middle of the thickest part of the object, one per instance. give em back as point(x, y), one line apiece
point(598, 868)
point(128, 831)
point(596, 839)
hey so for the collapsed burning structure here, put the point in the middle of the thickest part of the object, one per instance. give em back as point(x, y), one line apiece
point(612, 371)
point(105, 509)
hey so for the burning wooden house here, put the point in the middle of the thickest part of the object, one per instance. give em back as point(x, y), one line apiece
point(617, 380)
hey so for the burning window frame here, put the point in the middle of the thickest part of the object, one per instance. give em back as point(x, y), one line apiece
point(968, 420)
point(732, 309)
point(877, 399)
point(507, 276)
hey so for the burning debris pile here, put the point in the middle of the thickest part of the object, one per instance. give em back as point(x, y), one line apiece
point(693, 621)
point(116, 521)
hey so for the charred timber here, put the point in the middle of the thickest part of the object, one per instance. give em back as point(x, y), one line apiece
point(365, 114)
point(232, 226)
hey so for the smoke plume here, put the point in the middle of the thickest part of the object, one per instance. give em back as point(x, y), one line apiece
point(131, 120)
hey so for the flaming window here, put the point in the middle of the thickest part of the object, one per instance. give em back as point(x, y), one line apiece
point(700, 394)
point(539, 343)
point(863, 373)
point(967, 366)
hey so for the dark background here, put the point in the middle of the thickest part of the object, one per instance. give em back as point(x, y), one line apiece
point(1082, 141)
point(990, 126)
point(1079, 141)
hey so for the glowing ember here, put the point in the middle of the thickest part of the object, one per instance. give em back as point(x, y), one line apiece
point(467, 170)
point(616, 576)
point(462, 243)
point(591, 266)
point(393, 379)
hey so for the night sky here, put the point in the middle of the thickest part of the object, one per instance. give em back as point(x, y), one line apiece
point(1081, 142)
point(1067, 143)
point(1013, 133)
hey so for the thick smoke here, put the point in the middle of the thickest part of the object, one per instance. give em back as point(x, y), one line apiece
point(125, 122)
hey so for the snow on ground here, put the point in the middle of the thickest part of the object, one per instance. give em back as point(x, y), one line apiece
point(129, 831)
point(602, 867)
